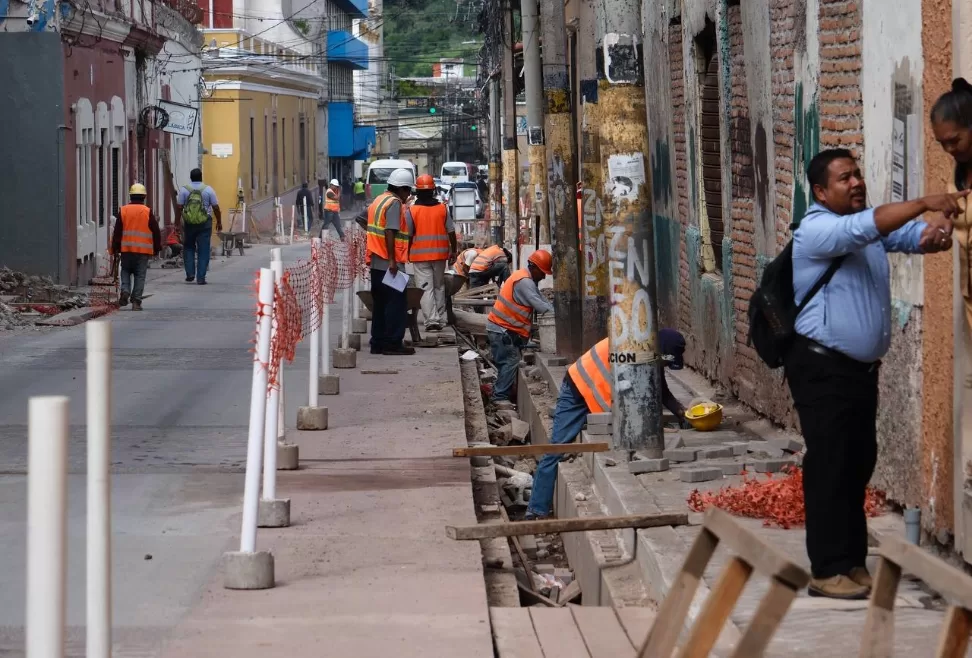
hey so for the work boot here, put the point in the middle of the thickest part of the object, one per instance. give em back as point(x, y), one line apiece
point(861, 576)
point(837, 587)
point(137, 306)
point(398, 351)
point(504, 404)
point(123, 299)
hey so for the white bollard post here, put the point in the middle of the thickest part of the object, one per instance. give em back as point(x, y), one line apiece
point(98, 633)
point(292, 220)
point(315, 337)
point(346, 315)
point(46, 526)
point(248, 569)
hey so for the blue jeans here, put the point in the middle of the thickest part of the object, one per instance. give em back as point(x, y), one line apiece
point(505, 350)
point(334, 219)
point(569, 418)
point(133, 266)
point(197, 242)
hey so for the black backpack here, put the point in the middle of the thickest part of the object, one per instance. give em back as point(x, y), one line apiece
point(772, 311)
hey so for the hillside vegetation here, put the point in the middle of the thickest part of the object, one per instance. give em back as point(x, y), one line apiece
point(419, 32)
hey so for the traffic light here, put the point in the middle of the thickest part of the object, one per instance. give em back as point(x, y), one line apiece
point(473, 127)
point(432, 109)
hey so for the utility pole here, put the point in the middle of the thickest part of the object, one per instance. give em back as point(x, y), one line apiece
point(628, 228)
point(561, 186)
point(594, 279)
point(511, 160)
point(495, 159)
point(533, 78)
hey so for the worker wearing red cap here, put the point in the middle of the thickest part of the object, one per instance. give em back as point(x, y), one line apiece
point(508, 324)
point(433, 246)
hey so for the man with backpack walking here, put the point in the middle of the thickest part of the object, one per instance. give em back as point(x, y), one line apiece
point(196, 206)
point(823, 312)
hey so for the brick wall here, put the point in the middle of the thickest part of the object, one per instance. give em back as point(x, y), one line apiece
point(676, 59)
point(841, 106)
point(742, 205)
point(782, 42)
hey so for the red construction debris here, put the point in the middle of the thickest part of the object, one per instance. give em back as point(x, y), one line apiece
point(777, 500)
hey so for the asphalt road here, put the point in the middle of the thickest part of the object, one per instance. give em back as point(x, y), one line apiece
point(180, 398)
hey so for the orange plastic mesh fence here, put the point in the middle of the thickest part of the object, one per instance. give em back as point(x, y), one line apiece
point(305, 286)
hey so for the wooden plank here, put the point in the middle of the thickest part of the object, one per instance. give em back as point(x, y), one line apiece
point(472, 302)
point(513, 634)
point(763, 557)
point(954, 639)
point(536, 597)
point(564, 525)
point(637, 623)
point(772, 608)
point(602, 632)
point(877, 636)
point(674, 609)
point(558, 634)
point(550, 449)
point(940, 576)
point(719, 604)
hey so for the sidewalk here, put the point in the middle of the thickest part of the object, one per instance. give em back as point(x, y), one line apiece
point(366, 568)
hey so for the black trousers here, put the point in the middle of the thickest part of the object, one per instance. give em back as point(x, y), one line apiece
point(389, 317)
point(836, 399)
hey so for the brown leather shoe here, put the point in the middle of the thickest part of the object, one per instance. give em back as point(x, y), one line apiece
point(861, 576)
point(838, 587)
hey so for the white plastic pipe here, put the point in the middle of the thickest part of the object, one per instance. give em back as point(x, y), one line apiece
point(346, 316)
point(47, 434)
point(356, 301)
point(273, 401)
point(258, 409)
point(98, 633)
point(276, 265)
point(325, 338)
point(315, 338)
point(292, 220)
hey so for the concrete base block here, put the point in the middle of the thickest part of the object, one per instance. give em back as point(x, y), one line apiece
point(248, 570)
point(359, 326)
point(288, 456)
point(354, 342)
point(700, 474)
point(600, 430)
point(312, 418)
point(739, 448)
point(329, 384)
point(715, 452)
point(771, 465)
point(344, 358)
point(681, 454)
point(604, 418)
point(648, 466)
point(274, 513)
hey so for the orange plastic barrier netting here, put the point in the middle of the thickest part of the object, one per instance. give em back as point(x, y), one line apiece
point(777, 500)
point(305, 286)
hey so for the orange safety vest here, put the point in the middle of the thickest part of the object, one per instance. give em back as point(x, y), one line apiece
point(332, 201)
point(592, 376)
point(486, 258)
point(430, 241)
point(376, 229)
point(507, 312)
point(460, 265)
point(136, 234)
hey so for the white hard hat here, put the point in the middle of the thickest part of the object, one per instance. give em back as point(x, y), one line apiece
point(334, 182)
point(402, 178)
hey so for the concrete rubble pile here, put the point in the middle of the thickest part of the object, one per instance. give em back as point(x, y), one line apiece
point(25, 298)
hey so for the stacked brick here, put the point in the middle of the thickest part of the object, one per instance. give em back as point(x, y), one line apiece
point(841, 105)
point(675, 60)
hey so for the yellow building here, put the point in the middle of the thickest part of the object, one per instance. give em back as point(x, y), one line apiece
point(258, 122)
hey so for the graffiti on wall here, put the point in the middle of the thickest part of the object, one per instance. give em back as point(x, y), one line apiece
point(630, 266)
point(594, 239)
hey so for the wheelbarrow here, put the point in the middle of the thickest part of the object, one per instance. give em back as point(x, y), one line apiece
point(413, 302)
point(231, 240)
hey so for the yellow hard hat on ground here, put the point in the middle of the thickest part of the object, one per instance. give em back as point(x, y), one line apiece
point(137, 189)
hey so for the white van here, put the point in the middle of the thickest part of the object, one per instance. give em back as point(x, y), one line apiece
point(454, 172)
point(378, 172)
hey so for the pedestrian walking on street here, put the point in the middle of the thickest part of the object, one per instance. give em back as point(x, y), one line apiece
point(196, 206)
point(136, 239)
point(387, 246)
point(359, 194)
point(304, 204)
point(832, 364)
point(508, 324)
point(332, 209)
point(433, 246)
point(586, 389)
point(492, 264)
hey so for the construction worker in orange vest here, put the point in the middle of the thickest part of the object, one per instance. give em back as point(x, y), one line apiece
point(508, 324)
point(465, 259)
point(332, 208)
point(136, 239)
point(387, 247)
point(587, 389)
point(492, 263)
point(433, 246)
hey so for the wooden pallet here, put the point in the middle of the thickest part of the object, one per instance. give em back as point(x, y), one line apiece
point(896, 556)
point(570, 632)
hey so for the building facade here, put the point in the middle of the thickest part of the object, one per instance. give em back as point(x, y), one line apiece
point(259, 121)
point(741, 95)
point(86, 88)
point(373, 86)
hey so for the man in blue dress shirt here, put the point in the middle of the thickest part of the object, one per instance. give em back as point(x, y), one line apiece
point(832, 367)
